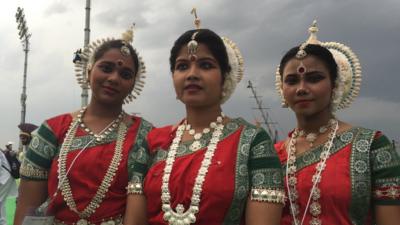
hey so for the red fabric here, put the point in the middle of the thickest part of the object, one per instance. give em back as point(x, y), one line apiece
point(218, 186)
point(87, 173)
point(335, 188)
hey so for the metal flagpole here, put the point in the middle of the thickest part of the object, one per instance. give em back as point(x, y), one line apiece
point(85, 88)
point(24, 36)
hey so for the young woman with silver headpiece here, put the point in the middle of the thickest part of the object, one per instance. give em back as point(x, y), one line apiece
point(79, 161)
point(209, 168)
point(336, 173)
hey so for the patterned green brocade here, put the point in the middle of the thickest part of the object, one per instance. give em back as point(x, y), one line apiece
point(374, 168)
point(313, 156)
point(360, 173)
point(138, 158)
point(257, 166)
point(39, 155)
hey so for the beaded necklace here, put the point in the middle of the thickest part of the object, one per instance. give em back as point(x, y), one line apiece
point(291, 179)
point(179, 215)
point(106, 182)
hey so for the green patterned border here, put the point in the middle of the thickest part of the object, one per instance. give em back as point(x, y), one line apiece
point(184, 147)
point(360, 172)
point(138, 157)
point(313, 156)
point(235, 211)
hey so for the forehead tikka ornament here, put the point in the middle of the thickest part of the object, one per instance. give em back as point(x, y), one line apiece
point(86, 61)
point(348, 82)
point(193, 44)
point(192, 47)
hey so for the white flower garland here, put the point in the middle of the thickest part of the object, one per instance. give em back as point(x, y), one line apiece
point(237, 68)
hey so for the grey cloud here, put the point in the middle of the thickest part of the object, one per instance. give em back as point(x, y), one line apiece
point(56, 8)
point(263, 30)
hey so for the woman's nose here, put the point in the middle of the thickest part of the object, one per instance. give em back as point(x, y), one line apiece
point(193, 73)
point(302, 88)
point(114, 76)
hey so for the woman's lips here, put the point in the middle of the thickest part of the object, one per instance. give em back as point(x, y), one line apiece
point(192, 87)
point(303, 103)
point(110, 90)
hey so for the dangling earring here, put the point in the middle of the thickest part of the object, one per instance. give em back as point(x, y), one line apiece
point(284, 103)
point(332, 103)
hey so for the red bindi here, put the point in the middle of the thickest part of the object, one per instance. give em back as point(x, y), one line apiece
point(192, 57)
point(301, 69)
point(120, 62)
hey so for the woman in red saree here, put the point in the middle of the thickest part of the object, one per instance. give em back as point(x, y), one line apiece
point(336, 173)
point(209, 169)
point(79, 161)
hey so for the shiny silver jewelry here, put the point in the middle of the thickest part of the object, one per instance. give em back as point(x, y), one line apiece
point(311, 137)
point(192, 47)
point(196, 145)
point(291, 179)
point(105, 183)
point(179, 215)
point(110, 128)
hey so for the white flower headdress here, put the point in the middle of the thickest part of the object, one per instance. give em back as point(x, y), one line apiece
point(86, 61)
point(235, 61)
point(348, 82)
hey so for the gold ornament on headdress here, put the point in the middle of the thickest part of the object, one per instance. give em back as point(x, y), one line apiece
point(86, 61)
point(127, 38)
point(348, 82)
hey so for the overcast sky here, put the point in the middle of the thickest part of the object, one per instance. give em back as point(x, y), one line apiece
point(264, 30)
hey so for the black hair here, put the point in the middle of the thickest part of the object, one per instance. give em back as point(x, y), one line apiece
point(318, 51)
point(117, 44)
point(213, 42)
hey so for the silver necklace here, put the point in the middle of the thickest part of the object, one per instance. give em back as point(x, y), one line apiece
point(102, 135)
point(196, 145)
point(311, 136)
point(179, 216)
point(291, 179)
point(106, 182)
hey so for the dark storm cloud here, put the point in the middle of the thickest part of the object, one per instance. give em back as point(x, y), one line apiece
point(265, 30)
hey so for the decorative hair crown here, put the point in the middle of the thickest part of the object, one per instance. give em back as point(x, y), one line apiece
point(86, 60)
point(348, 82)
